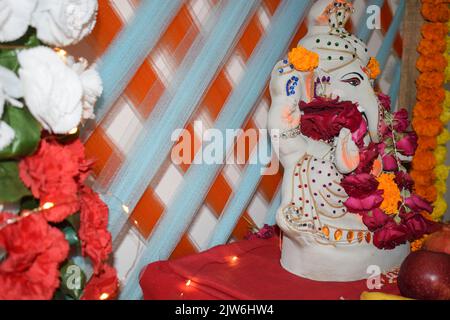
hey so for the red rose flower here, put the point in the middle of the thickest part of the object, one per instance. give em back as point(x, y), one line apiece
point(401, 120)
point(418, 204)
point(103, 285)
point(323, 119)
point(389, 161)
point(360, 185)
point(54, 174)
point(390, 236)
point(404, 180)
point(416, 225)
point(360, 205)
point(408, 144)
point(367, 157)
point(376, 219)
point(94, 235)
point(34, 253)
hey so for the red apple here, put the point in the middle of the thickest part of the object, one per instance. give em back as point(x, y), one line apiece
point(439, 241)
point(425, 275)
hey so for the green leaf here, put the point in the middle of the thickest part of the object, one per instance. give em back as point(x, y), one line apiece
point(8, 59)
point(74, 220)
point(27, 133)
point(73, 280)
point(29, 203)
point(70, 234)
point(12, 188)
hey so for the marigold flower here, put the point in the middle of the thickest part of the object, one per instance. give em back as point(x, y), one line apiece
point(441, 186)
point(303, 59)
point(444, 137)
point(427, 110)
point(431, 80)
point(434, 31)
point(374, 68)
point(428, 63)
point(440, 208)
point(424, 178)
point(391, 193)
point(435, 12)
point(424, 161)
point(427, 127)
point(430, 95)
point(427, 143)
point(429, 47)
point(427, 192)
point(440, 154)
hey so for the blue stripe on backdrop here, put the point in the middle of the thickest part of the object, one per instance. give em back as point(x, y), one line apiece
point(198, 179)
point(130, 48)
point(273, 209)
point(389, 38)
point(395, 84)
point(175, 108)
point(242, 195)
point(363, 32)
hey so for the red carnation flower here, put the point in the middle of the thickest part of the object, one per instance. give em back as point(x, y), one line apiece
point(94, 235)
point(54, 174)
point(34, 252)
point(103, 285)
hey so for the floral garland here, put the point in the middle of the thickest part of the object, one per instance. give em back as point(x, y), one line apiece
point(432, 110)
point(50, 216)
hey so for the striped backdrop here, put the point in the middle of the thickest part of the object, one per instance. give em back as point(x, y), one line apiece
point(136, 103)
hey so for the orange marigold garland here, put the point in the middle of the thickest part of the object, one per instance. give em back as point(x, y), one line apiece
point(432, 110)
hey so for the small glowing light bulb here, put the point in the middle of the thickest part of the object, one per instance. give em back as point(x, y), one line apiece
point(104, 296)
point(48, 205)
point(125, 208)
point(188, 283)
point(234, 258)
point(73, 131)
point(61, 53)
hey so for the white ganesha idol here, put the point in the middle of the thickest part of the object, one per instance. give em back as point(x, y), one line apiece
point(321, 239)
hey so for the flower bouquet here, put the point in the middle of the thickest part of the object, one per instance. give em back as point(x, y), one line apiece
point(380, 190)
point(53, 226)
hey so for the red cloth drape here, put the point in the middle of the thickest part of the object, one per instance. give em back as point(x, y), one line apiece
point(242, 270)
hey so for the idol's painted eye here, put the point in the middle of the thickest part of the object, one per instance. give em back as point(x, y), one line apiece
point(352, 81)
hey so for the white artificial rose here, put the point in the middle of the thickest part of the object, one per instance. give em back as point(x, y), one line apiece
point(6, 135)
point(15, 16)
point(91, 82)
point(64, 22)
point(53, 91)
point(10, 90)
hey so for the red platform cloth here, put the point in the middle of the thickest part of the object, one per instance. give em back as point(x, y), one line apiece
point(255, 274)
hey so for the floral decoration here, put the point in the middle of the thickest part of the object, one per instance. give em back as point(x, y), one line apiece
point(432, 110)
point(46, 95)
point(303, 60)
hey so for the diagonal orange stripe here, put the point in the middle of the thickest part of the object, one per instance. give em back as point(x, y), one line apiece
point(107, 26)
